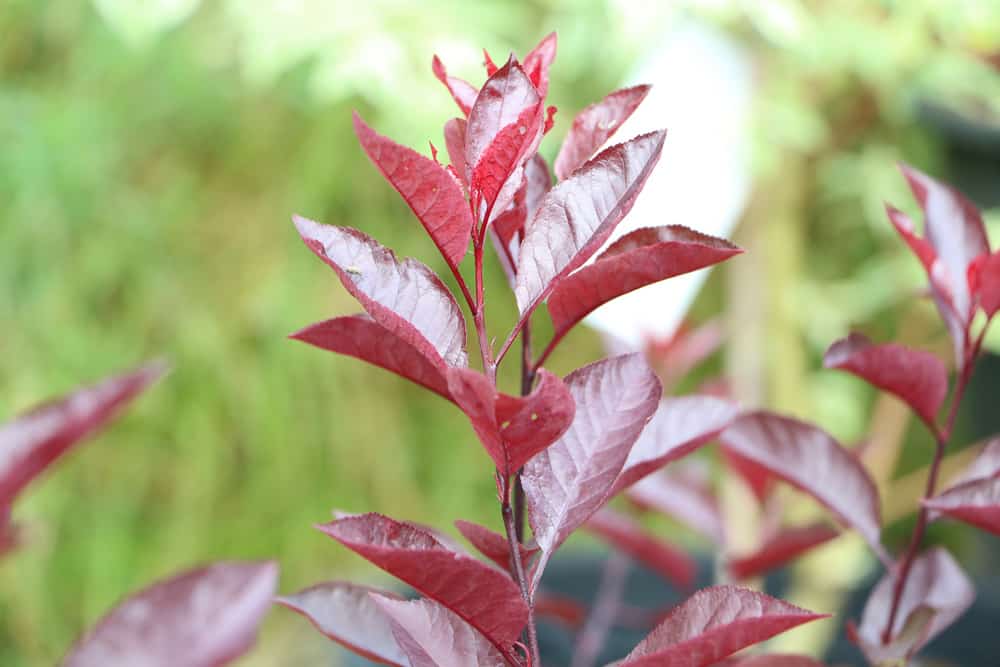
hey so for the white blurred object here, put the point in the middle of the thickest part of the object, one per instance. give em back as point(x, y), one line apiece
point(701, 94)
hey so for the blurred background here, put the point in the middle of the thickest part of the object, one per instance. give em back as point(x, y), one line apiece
point(152, 152)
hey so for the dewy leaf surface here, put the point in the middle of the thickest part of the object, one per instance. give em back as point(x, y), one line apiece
point(786, 546)
point(361, 337)
point(202, 618)
point(811, 460)
point(347, 614)
point(713, 624)
point(976, 502)
point(482, 595)
point(578, 215)
point(918, 378)
point(595, 125)
point(433, 636)
point(628, 536)
point(34, 440)
point(571, 479)
point(405, 297)
point(432, 193)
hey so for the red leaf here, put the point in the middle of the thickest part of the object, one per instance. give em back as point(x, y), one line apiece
point(984, 277)
point(621, 532)
point(919, 378)
point(347, 614)
point(781, 549)
point(571, 479)
point(985, 466)
point(676, 356)
point(538, 61)
point(640, 258)
point(758, 479)
point(492, 545)
point(772, 660)
point(433, 636)
point(578, 215)
point(484, 596)
point(536, 182)
point(491, 67)
point(683, 498)
point(463, 92)
point(560, 608)
point(361, 337)
point(454, 142)
point(33, 441)
point(405, 297)
point(202, 618)
point(595, 125)
point(713, 624)
point(976, 502)
point(432, 193)
point(937, 584)
point(513, 429)
point(812, 461)
point(680, 426)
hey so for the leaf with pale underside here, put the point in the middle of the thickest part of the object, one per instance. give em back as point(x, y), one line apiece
point(572, 478)
point(454, 142)
point(493, 545)
point(680, 426)
point(538, 61)
point(781, 549)
point(507, 226)
point(202, 618)
point(405, 297)
point(484, 596)
point(463, 92)
point(347, 614)
point(595, 125)
point(629, 537)
point(713, 624)
point(33, 441)
point(683, 498)
point(432, 193)
point(811, 460)
point(361, 337)
point(976, 502)
point(918, 378)
point(642, 257)
point(433, 636)
point(985, 466)
point(578, 215)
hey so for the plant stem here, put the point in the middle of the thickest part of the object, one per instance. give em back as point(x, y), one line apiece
point(606, 604)
point(517, 565)
point(527, 381)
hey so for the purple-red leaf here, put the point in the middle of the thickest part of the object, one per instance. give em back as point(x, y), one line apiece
point(681, 497)
point(482, 595)
point(936, 590)
point(680, 426)
point(595, 125)
point(986, 465)
point(757, 478)
point(433, 636)
point(31, 442)
point(715, 623)
point(629, 537)
point(493, 545)
point(919, 378)
point(984, 279)
point(772, 660)
point(675, 356)
point(538, 61)
point(202, 618)
point(347, 614)
point(781, 549)
point(811, 460)
point(976, 502)
point(463, 92)
point(577, 216)
point(432, 193)
point(571, 479)
point(361, 337)
point(405, 297)
point(640, 258)
point(454, 142)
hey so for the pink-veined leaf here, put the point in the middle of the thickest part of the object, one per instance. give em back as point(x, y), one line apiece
point(626, 535)
point(984, 278)
point(936, 594)
point(34, 440)
point(976, 502)
point(202, 618)
point(680, 426)
point(347, 614)
point(454, 142)
point(513, 429)
point(713, 624)
point(463, 92)
point(809, 459)
point(681, 497)
point(432, 193)
point(783, 548)
point(772, 660)
point(361, 337)
point(577, 216)
point(640, 258)
point(595, 125)
point(538, 61)
point(493, 545)
point(571, 479)
point(433, 636)
point(484, 596)
point(918, 378)
point(405, 297)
